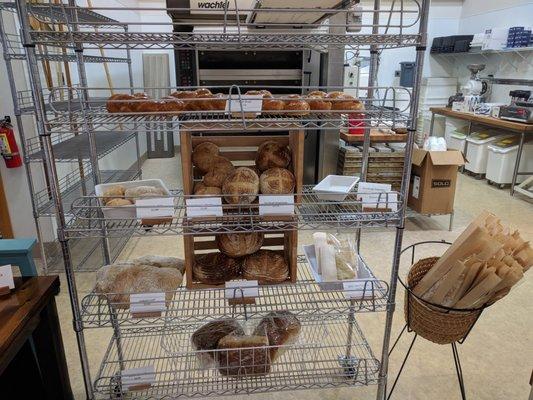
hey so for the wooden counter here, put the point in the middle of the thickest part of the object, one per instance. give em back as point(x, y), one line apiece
point(484, 120)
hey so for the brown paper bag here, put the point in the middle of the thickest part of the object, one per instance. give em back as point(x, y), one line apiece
point(479, 291)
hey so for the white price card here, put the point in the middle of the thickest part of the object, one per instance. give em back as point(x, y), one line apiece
point(276, 205)
point(416, 186)
point(204, 207)
point(359, 289)
point(377, 195)
point(241, 289)
point(250, 104)
point(154, 207)
point(143, 304)
point(6, 277)
point(137, 378)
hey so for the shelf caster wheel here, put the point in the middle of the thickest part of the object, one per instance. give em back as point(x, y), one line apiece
point(501, 186)
point(490, 183)
point(116, 392)
point(478, 176)
point(350, 365)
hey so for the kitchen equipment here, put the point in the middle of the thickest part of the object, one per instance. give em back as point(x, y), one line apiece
point(477, 150)
point(520, 109)
point(502, 157)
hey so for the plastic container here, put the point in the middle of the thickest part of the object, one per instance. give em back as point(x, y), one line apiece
point(478, 150)
point(356, 124)
point(456, 141)
point(335, 187)
point(125, 212)
point(502, 157)
point(365, 287)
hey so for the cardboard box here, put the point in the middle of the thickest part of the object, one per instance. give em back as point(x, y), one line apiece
point(433, 180)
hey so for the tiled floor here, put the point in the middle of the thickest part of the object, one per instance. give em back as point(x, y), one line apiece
point(496, 357)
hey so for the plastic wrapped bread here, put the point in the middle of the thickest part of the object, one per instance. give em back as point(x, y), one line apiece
point(242, 356)
point(143, 191)
point(337, 258)
point(282, 329)
point(118, 281)
point(205, 339)
point(161, 262)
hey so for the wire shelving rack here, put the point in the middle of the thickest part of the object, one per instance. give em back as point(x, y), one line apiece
point(81, 180)
point(332, 350)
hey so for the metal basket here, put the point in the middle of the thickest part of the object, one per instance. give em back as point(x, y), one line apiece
point(438, 324)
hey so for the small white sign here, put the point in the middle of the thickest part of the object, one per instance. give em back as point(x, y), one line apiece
point(6, 277)
point(137, 377)
point(204, 207)
point(377, 195)
point(416, 187)
point(276, 205)
point(250, 104)
point(141, 303)
point(154, 207)
point(358, 290)
point(240, 289)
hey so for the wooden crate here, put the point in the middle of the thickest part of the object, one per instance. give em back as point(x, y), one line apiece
point(241, 150)
point(285, 242)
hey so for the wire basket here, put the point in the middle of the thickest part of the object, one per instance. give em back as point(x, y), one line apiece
point(438, 324)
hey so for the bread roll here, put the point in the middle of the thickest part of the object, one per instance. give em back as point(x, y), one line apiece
point(207, 337)
point(269, 102)
point(143, 191)
point(215, 268)
point(241, 187)
point(120, 280)
point(203, 156)
point(265, 266)
point(222, 168)
point(243, 356)
point(149, 106)
point(317, 93)
point(161, 262)
point(172, 104)
point(271, 155)
point(296, 106)
point(119, 103)
point(203, 92)
point(239, 244)
point(277, 181)
point(344, 102)
point(113, 192)
point(282, 329)
point(319, 103)
point(197, 186)
point(118, 203)
point(219, 102)
point(138, 99)
point(208, 191)
point(187, 94)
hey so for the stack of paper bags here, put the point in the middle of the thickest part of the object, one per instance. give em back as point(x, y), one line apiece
point(479, 268)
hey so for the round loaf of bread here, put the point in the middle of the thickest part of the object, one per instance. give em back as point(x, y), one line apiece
point(203, 156)
point(296, 106)
point(239, 244)
point(271, 155)
point(118, 203)
point(138, 99)
point(269, 102)
point(217, 175)
point(344, 102)
point(241, 186)
point(197, 186)
point(149, 106)
point(113, 192)
point(215, 268)
point(219, 102)
point(203, 92)
point(208, 191)
point(265, 266)
point(319, 103)
point(277, 181)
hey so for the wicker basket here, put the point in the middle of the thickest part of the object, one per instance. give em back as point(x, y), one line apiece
point(437, 324)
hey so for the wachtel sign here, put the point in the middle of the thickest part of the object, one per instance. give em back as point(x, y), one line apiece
point(217, 6)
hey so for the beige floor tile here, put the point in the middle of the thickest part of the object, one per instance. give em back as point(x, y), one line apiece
point(496, 357)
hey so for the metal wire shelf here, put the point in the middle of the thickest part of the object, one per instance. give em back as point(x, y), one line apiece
point(387, 108)
point(234, 28)
point(71, 148)
point(321, 358)
point(311, 213)
point(304, 298)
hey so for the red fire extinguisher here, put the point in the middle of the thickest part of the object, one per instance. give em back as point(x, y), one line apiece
point(8, 144)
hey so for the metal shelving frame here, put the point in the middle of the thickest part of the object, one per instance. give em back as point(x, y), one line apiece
point(32, 149)
point(340, 354)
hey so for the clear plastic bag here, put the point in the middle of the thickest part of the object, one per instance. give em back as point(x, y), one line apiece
point(336, 256)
